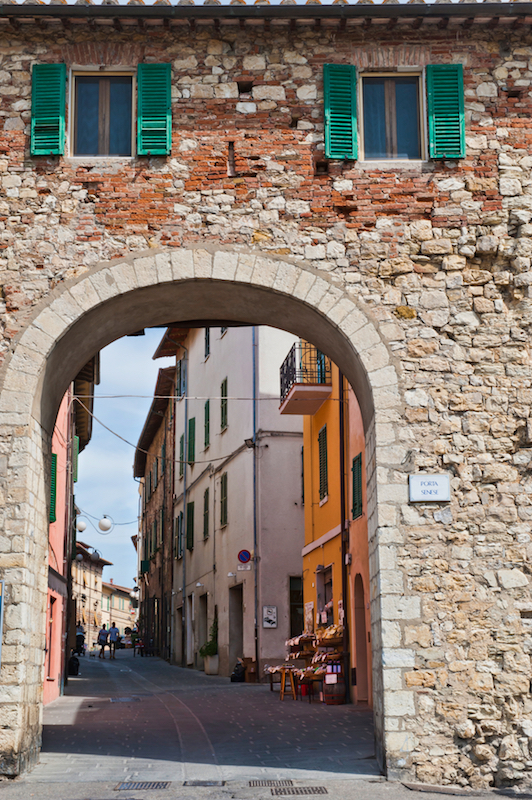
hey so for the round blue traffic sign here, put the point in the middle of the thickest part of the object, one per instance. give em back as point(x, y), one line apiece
point(244, 556)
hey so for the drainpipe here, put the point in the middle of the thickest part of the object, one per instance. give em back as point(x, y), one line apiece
point(184, 625)
point(255, 525)
point(345, 541)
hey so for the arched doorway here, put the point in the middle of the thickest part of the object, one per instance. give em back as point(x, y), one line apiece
point(112, 300)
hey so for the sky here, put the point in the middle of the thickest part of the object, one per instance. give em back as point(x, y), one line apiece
point(105, 476)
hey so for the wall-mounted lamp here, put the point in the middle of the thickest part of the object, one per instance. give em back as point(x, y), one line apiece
point(249, 443)
point(320, 568)
point(231, 574)
point(199, 585)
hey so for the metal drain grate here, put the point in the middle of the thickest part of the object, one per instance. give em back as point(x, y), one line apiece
point(204, 783)
point(300, 790)
point(271, 783)
point(132, 785)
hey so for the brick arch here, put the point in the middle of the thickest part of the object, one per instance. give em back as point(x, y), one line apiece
point(160, 287)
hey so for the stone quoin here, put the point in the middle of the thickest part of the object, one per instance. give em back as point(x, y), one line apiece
point(414, 276)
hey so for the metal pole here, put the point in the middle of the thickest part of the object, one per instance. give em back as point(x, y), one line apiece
point(344, 536)
point(184, 615)
point(255, 523)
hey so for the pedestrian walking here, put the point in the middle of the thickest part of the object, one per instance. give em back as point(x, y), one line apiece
point(103, 636)
point(80, 639)
point(114, 636)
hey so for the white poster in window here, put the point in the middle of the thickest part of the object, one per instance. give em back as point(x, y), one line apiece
point(269, 616)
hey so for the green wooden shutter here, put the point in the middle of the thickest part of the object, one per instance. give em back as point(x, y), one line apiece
point(154, 110)
point(190, 526)
point(322, 451)
point(206, 514)
point(75, 457)
point(191, 441)
point(445, 104)
point(223, 499)
point(48, 83)
point(356, 469)
point(207, 424)
point(340, 105)
point(163, 457)
point(223, 404)
point(53, 487)
point(181, 455)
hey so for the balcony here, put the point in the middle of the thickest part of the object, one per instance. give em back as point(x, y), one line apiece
point(306, 380)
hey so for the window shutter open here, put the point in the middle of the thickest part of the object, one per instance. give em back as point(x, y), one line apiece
point(206, 514)
point(154, 111)
point(48, 83)
point(445, 104)
point(322, 454)
point(223, 499)
point(190, 526)
point(207, 424)
point(357, 486)
point(191, 441)
point(181, 455)
point(340, 106)
point(53, 487)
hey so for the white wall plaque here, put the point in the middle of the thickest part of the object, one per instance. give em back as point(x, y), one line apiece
point(269, 616)
point(429, 488)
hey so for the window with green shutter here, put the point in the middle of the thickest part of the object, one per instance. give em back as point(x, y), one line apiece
point(322, 459)
point(340, 110)
point(205, 513)
point(53, 487)
point(163, 457)
point(223, 404)
point(154, 110)
point(75, 458)
point(207, 424)
point(190, 526)
point(356, 469)
point(181, 455)
point(178, 535)
point(223, 499)
point(445, 105)
point(191, 441)
point(48, 84)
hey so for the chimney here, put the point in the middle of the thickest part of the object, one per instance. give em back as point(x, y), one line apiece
point(110, 580)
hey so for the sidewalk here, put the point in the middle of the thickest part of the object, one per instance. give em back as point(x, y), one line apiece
point(140, 719)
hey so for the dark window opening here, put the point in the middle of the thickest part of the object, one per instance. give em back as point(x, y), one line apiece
point(391, 117)
point(231, 167)
point(296, 606)
point(103, 116)
point(294, 121)
point(244, 87)
point(321, 168)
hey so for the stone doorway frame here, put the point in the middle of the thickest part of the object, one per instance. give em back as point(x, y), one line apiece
point(113, 299)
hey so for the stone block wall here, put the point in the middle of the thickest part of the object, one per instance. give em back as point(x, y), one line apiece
point(438, 254)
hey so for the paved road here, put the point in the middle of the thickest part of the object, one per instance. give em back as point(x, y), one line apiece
point(140, 719)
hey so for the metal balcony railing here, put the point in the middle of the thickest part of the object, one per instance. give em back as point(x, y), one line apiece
point(304, 364)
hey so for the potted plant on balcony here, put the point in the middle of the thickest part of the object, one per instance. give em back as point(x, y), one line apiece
point(209, 651)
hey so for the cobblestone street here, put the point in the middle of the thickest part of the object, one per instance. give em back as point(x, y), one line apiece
point(140, 719)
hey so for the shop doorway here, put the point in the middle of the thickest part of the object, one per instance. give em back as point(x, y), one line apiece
point(202, 623)
point(361, 689)
point(190, 629)
point(236, 623)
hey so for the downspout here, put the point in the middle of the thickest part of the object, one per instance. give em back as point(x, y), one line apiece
point(345, 538)
point(164, 608)
point(255, 522)
point(172, 488)
point(184, 625)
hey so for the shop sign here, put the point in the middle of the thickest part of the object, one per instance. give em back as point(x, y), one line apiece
point(269, 616)
point(429, 488)
point(2, 594)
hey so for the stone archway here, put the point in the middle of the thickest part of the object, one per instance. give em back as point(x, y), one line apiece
point(114, 299)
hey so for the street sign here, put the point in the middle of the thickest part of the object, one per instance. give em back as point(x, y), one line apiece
point(429, 488)
point(244, 556)
point(1, 616)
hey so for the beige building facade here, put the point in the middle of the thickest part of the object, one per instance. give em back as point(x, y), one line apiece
point(87, 583)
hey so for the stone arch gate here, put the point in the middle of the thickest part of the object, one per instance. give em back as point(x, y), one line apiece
point(111, 300)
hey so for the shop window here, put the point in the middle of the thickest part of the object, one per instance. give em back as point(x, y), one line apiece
point(389, 112)
point(322, 460)
point(103, 115)
point(324, 591)
point(296, 606)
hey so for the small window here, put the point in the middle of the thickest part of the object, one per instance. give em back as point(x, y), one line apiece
point(207, 424)
point(207, 342)
point(390, 107)
point(357, 486)
point(191, 441)
point(163, 458)
point(178, 535)
point(180, 378)
point(223, 404)
point(103, 115)
point(190, 526)
point(322, 458)
point(223, 500)
point(206, 514)
point(181, 455)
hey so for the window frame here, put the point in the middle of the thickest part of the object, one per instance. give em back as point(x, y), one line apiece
point(83, 72)
point(206, 509)
point(206, 424)
point(400, 72)
point(223, 500)
point(224, 406)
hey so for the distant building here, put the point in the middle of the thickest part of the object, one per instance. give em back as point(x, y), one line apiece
point(117, 606)
point(87, 590)
point(230, 497)
point(72, 432)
